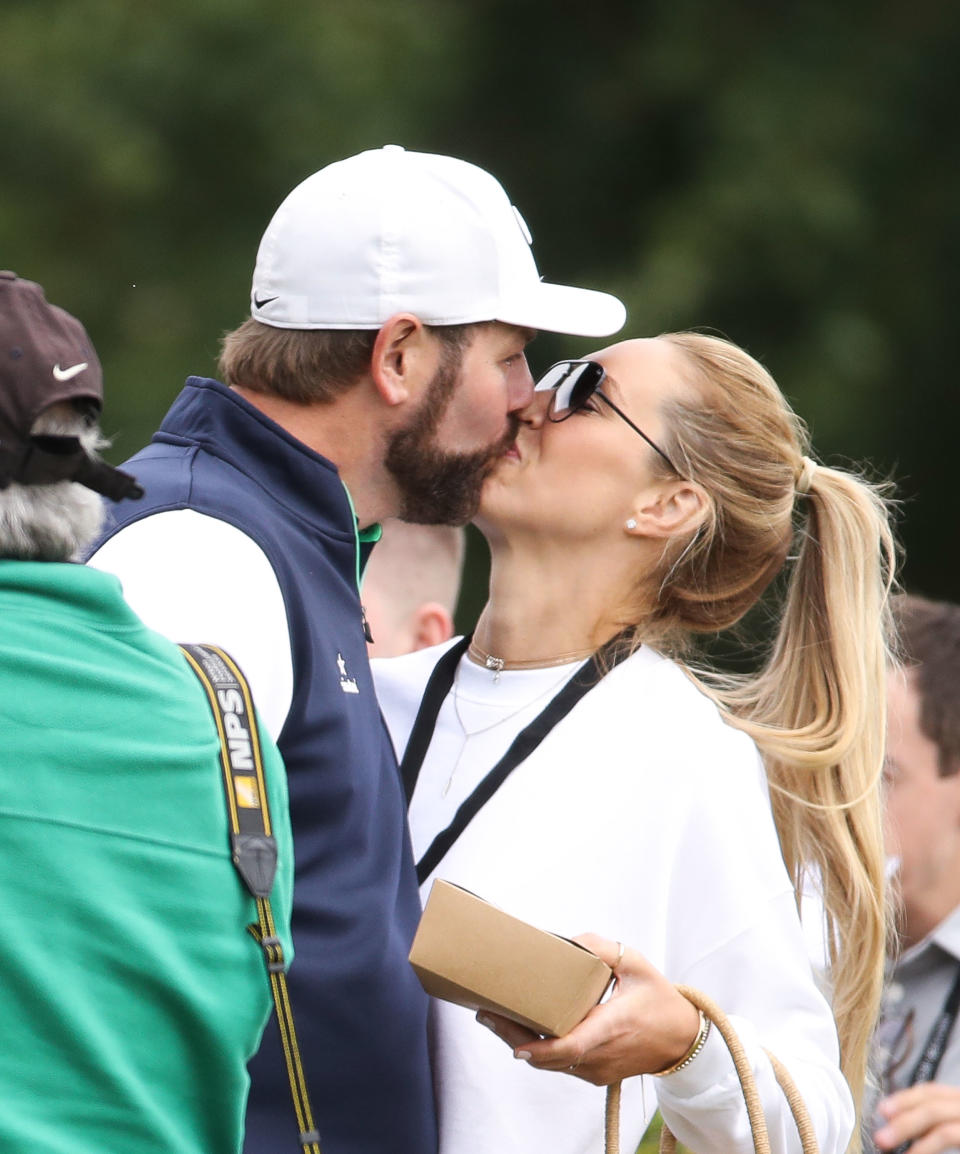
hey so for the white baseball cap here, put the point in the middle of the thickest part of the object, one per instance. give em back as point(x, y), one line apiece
point(391, 231)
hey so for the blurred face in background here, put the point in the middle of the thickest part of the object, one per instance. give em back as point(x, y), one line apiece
point(922, 811)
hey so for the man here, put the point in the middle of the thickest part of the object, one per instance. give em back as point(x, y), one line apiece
point(131, 994)
point(379, 375)
point(410, 586)
point(917, 1048)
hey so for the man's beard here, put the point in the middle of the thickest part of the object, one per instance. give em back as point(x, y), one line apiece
point(439, 487)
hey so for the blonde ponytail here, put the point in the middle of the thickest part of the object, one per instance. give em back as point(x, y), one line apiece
point(817, 711)
point(817, 707)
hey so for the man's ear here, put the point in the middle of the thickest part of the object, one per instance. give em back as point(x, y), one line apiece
point(432, 624)
point(951, 783)
point(402, 358)
point(669, 509)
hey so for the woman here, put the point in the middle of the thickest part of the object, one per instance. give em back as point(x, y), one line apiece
point(653, 493)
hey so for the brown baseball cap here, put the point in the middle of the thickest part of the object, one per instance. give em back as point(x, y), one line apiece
point(46, 357)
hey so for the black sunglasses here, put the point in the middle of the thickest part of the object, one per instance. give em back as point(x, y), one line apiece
point(572, 384)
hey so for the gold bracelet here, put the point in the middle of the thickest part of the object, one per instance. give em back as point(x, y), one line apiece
point(695, 1047)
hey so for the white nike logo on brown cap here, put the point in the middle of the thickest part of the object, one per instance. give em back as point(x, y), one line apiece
point(69, 374)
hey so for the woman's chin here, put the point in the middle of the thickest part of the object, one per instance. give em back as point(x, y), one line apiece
point(490, 505)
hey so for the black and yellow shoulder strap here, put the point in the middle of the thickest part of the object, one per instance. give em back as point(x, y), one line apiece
point(252, 844)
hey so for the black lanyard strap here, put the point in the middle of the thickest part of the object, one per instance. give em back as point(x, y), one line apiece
point(526, 741)
point(929, 1061)
point(439, 685)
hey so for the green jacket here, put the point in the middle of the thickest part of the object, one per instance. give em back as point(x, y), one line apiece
point(130, 994)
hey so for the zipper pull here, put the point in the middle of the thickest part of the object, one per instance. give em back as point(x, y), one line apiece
point(366, 626)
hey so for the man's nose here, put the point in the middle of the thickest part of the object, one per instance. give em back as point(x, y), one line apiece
point(534, 413)
point(521, 388)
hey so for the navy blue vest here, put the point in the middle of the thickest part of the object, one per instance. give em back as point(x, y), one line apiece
point(360, 1012)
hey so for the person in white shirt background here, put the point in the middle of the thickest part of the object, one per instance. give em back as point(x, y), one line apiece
point(411, 585)
point(653, 493)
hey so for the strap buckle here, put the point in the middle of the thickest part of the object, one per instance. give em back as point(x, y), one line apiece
point(272, 949)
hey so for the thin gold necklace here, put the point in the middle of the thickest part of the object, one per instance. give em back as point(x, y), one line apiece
point(468, 733)
point(498, 664)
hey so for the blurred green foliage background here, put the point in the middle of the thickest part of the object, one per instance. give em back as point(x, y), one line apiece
point(788, 174)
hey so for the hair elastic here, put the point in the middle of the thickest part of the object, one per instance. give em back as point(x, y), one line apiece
point(805, 477)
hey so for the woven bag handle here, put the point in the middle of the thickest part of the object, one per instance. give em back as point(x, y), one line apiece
point(751, 1096)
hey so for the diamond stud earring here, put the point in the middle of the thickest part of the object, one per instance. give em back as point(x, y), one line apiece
point(631, 523)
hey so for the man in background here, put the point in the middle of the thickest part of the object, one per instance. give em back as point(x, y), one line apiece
point(917, 1046)
point(131, 994)
point(411, 585)
point(379, 375)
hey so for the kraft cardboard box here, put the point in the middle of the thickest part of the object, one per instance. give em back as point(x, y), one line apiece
point(469, 952)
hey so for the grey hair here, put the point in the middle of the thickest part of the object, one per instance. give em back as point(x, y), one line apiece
point(52, 522)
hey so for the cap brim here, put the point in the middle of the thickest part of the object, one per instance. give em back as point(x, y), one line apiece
point(555, 308)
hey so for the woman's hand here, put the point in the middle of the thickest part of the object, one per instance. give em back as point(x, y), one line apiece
point(645, 1026)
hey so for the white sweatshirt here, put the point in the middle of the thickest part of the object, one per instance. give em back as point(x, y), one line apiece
point(645, 818)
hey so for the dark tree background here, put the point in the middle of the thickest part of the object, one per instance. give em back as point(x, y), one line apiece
point(787, 174)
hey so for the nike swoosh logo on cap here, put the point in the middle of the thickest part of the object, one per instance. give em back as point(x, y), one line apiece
point(265, 301)
point(69, 374)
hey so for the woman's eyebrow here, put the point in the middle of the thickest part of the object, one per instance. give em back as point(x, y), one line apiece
point(612, 389)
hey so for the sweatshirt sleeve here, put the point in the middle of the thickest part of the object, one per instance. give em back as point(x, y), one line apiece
point(738, 938)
